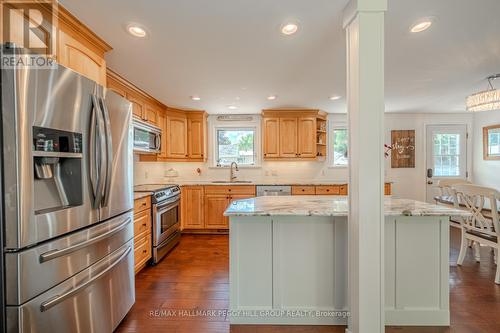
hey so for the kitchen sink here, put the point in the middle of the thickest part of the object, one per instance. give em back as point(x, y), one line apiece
point(232, 182)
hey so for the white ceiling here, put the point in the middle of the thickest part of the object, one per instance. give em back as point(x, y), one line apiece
point(231, 51)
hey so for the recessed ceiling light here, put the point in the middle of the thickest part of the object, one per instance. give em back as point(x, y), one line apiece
point(421, 26)
point(272, 97)
point(232, 107)
point(136, 30)
point(195, 98)
point(289, 28)
point(335, 97)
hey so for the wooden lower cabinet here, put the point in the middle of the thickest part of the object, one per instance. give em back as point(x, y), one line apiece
point(215, 205)
point(192, 207)
point(142, 232)
point(303, 190)
point(330, 189)
point(203, 206)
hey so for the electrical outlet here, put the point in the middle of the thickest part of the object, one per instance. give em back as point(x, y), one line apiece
point(146, 175)
point(274, 172)
point(266, 172)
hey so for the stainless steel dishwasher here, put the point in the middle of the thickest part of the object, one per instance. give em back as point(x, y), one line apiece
point(273, 190)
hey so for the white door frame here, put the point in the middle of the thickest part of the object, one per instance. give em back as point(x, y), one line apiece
point(468, 146)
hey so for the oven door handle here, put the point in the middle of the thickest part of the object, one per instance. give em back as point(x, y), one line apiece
point(59, 253)
point(60, 298)
point(166, 206)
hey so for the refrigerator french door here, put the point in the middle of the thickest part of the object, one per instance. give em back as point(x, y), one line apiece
point(67, 202)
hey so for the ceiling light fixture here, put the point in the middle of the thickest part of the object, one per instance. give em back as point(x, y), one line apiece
point(232, 107)
point(335, 97)
point(272, 97)
point(421, 25)
point(136, 30)
point(289, 28)
point(195, 98)
point(486, 100)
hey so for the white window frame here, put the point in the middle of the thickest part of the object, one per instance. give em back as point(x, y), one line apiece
point(216, 125)
point(331, 149)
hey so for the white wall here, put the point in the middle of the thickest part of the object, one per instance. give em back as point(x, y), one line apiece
point(485, 173)
point(408, 183)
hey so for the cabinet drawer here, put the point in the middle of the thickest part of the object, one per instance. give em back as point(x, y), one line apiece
point(142, 204)
point(328, 190)
point(387, 188)
point(303, 190)
point(343, 189)
point(142, 251)
point(142, 222)
point(239, 189)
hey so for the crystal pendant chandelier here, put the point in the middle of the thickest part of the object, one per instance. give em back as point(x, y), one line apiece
point(485, 100)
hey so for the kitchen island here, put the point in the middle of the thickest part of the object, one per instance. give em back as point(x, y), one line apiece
point(289, 261)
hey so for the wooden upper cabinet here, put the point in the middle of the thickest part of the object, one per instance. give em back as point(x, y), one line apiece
point(196, 137)
point(271, 141)
point(151, 114)
point(137, 105)
point(288, 137)
point(79, 57)
point(177, 136)
point(80, 49)
point(162, 123)
point(306, 137)
point(291, 134)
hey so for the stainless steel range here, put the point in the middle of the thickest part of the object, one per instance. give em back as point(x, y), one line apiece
point(166, 217)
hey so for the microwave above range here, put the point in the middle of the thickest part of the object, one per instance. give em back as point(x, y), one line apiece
point(147, 138)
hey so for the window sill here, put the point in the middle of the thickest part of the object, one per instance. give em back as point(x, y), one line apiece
point(239, 167)
point(338, 167)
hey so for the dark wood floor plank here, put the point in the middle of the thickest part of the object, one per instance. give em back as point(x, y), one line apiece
point(195, 276)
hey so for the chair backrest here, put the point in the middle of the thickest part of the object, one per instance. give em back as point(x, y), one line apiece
point(446, 188)
point(474, 197)
point(445, 185)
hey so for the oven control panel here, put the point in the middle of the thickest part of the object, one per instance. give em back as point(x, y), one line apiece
point(166, 193)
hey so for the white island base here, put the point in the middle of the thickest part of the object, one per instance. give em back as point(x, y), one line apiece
point(293, 270)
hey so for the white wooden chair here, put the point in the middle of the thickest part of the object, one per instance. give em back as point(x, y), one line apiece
point(445, 187)
point(481, 229)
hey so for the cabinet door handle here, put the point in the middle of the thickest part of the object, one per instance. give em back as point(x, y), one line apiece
point(144, 224)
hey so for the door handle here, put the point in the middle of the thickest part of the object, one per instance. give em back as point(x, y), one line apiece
point(59, 253)
point(109, 152)
point(96, 153)
point(60, 298)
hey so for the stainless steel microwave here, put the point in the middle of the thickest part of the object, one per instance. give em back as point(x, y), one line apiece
point(147, 138)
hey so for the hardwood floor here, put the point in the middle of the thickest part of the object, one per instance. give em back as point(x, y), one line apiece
point(194, 277)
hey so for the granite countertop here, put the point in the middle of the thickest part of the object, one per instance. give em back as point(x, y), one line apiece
point(139, 195)
point(322, 205)
point(261, 182)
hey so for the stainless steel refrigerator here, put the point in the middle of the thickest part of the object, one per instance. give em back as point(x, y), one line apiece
point(67, 202)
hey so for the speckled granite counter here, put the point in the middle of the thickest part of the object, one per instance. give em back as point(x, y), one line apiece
point(139, 195)
point(292, 252)
point(330, 206)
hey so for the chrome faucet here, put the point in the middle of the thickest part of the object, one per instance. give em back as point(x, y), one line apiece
point(232, 176)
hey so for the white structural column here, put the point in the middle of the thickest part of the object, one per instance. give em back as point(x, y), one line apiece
point(364, 25)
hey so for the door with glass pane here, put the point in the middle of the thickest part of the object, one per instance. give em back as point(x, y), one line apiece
point(446, 155)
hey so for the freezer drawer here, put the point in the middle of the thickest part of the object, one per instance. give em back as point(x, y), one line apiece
point(94, 300)
point(35, 270)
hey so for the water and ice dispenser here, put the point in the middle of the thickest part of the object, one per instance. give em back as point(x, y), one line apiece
point(57, 163)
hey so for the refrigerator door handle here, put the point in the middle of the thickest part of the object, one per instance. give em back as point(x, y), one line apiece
point(109, 152)
point(96, 154)
point(59, 253)
point(50, 303)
